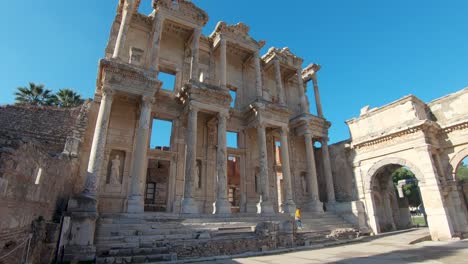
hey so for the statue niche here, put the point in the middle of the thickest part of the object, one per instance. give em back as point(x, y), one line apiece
point(115, 167)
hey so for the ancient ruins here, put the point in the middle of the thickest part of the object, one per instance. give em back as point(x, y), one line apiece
point(95, 189)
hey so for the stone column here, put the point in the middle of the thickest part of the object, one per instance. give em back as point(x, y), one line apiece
point(289, 206)
point(258, 74)
point(304, 106)
point(96, 156)
point(195, 54)
point(313, 203)
point(317, 96)
point(135, 202)
point(188, 202)
point(223, 60)
point(127, 13)
point(264, 206)
point(279, 82)
point(221, 205)
point(328, 172)
point(155, 44)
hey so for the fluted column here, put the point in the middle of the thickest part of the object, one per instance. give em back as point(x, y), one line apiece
point(223, 60)
point(258, 74)
point(328, 172)
point(188, 202)
point(289, 206)
point(127, 13)
point(135, 202)
point(313, 203)
point(155, 43)
point(264, 206)
point(222, 205)
point(318, 103)
point(96, 156)
point(304, 106)
point(195, 54)
point(279, 82)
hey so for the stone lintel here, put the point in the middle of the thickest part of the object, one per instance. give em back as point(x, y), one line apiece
point(285, 57)
point(209, 97)
point(237, 34)
point(308, 123)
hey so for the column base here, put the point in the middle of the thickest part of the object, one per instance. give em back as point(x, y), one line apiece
point(189, 206)
point(135, 205)
point(221, 206)
point(330, 206)
point(265, 207)
point(314, 206)
point(289, 207)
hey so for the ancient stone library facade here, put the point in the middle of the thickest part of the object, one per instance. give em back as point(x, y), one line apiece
point(88, 183)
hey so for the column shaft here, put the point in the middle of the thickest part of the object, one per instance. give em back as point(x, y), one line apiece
point(96, 157)
point(328, 172)
point(258, 74)
point(313, 203)
point(288, 206)
point(188, 203)
point(264, 205)
point(223, 60)
point(318, 103)
point(222, 205)
point(127, 13)
point(195, 54)
point(279, 82)
point(140, 161)
point(304, 106)
point(155, 44)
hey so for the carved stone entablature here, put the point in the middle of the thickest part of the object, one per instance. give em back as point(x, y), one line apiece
point(309, 72)
point(145, 22)
point(205, 94)
point(180, 30)
point(126, 78)
point(237, 34)
point(396, 135)
point(182, 11)
point(285, 57)
point(459, 126)
point(266, 113)
point(307, 123)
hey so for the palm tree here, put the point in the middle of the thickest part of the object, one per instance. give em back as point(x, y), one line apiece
point(34, 95)
point(67, 98)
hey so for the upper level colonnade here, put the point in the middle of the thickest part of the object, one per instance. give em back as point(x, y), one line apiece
point(169, 40)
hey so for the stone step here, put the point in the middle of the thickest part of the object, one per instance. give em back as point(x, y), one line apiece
point(132, 251)
point(136, 259)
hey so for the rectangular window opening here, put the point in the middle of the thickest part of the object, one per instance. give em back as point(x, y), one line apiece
point(234, 98)
point(277, 152)
point(232, 140)
point(168, 79)
point(161, 132)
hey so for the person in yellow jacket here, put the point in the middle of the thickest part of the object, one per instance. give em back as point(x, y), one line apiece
point(297, 217)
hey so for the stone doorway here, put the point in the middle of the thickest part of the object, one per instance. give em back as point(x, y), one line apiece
point(393, 212)
point(234, 183)
point(157, 185)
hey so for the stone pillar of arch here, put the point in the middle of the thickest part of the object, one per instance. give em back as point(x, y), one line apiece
point(188, 202)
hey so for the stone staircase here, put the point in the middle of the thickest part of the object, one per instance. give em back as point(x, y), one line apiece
point(322, 228)
point(152, 238)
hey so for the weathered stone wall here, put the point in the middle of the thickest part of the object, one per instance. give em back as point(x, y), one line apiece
point(35, 180)
point(50, 126)
point(342, 171)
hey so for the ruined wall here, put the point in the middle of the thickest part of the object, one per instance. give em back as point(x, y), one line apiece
point(342, 171)
point(35, 180)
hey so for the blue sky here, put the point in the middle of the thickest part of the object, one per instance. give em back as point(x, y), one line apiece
point(371, 52)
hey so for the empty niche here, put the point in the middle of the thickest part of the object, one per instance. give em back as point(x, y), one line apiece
point(161, 132)
point(233, 94)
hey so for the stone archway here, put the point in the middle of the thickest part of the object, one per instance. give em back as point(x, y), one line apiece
point(388, 212)
point(440, 225)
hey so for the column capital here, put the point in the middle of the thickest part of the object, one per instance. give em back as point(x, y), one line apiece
point(147, 100)
point(222, 39)
point(260, 124)
point(107, 92)
point(193, 108)
point(129, 5)
point(223, 115)
point(284, 130)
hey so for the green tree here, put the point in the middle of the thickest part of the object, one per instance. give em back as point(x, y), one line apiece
point(34, 95)
point(67, 98)
point(462, 170)
point(411, 190)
